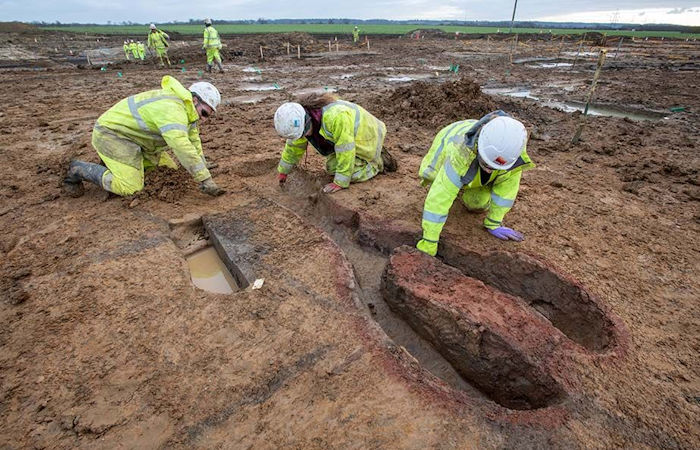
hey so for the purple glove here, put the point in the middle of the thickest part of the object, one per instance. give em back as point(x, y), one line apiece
point(505, 233)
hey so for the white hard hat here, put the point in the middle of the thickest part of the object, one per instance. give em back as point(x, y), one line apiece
point(290, 120)
point(501, 141)
point(207, 93)
point(152, 26)
point(207, 21)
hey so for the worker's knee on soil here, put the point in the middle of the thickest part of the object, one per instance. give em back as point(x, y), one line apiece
point(477, 199)
point(122, 185)
point(166, 161)
point(363, 171)
point(121, 179)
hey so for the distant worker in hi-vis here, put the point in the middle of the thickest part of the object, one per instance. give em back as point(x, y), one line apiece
point(127, 50)
point(482, 158)
point(212, 45)
point(134, 49)
point(158, 41)
point(350, 138)
point(356, 35)
point(141, 50)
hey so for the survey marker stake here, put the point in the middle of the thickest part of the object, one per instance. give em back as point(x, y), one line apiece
point(601, 60)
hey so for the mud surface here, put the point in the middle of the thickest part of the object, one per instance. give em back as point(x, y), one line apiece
point(106, 342)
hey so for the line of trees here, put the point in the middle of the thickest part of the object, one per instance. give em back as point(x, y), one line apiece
point(479, 23)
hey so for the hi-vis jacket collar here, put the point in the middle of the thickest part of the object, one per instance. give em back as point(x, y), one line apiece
point(471, 135)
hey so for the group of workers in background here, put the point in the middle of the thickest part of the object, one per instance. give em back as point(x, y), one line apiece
point(136, 49)
point(483, 159)
point(158, 43)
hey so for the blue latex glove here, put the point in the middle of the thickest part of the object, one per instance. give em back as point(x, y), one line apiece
point(505, 233)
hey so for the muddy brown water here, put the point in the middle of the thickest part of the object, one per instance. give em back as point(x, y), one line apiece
point(209, 272)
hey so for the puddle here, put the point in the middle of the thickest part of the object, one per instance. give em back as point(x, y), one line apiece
point(607, 110)
point(319, 90)
point(535, 59)
point(345, 76)
point(253, 78)
point(570, 107)
point(549, 65)
point(407, 78)
point(246, 99)
point(209, 273)
point(510, 92)
point(258, 87)
point(581, 54)
point(252, 69)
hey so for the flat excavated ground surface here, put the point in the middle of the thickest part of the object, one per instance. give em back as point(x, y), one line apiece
point(105, 342)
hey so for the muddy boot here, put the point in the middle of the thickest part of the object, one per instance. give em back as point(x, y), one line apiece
point(389, 162)
point(79, 171)
point(221, 68)
point(209, 68)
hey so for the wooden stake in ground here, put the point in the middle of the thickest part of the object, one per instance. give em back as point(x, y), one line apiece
point(261, 53)
point(367, 40)
point(336, 46)
point(488, 43)
point(578, 52)
point(561, 47)
point(619, 45)
point(512, 49)
point(582, 121)
point(329, 46)
point(287, 48)
point(298, 51)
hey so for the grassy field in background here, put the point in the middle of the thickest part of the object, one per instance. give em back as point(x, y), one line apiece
point(341, 29)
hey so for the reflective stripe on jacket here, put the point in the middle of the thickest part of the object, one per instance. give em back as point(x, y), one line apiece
point(353, 131)
point(450, 164)
point(211, 38)
point(158, 119)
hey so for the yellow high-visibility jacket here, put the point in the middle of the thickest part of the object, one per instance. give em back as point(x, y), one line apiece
point(452, 163)
point(353, 131)
point(211, 38)
point(156, 120)
point(159, 39)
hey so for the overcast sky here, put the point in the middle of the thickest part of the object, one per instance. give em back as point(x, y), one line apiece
point(94, 11)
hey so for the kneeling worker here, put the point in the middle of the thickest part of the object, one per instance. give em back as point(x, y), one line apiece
point(348, 136)
point(487, 157)
point(134, 133)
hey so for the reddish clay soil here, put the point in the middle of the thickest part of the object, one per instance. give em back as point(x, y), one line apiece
point(591, 326)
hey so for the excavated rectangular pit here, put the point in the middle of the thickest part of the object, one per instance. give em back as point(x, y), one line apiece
point(211, 268)
point(209, 273)
point(491, 338)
